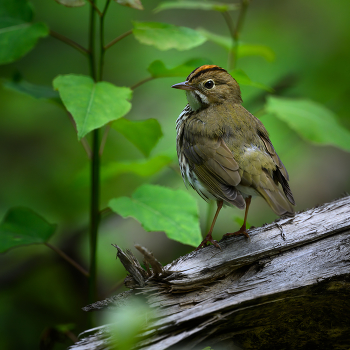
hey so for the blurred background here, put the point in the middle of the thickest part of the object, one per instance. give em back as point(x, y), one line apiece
point(42, 163)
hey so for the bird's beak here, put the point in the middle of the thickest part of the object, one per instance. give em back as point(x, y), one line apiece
point(183, 86)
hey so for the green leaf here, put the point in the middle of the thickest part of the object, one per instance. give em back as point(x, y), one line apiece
point(283, 138)
point(135, 4)
point(221, 40)
point(311, 120)
point(144, 167)
point(71, 3)
point(196, 5)
point(21, 226)
point(17, 34)
point(242, 49)
point(162, 209)
point(243, 79)
point(167, 36)
point(33, 90)
point(91, 104)
point(158, 69)
point(256, 50)
point(144, 134)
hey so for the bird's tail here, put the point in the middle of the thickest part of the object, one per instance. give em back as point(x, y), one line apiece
point(277, 200)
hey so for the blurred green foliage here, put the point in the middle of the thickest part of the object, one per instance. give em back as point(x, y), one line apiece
point(297, 48)
point(128, 323)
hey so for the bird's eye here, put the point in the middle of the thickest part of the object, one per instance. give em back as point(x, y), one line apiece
point(209, 84)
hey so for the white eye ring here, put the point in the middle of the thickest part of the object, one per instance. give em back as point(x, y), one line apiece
point(209, 84)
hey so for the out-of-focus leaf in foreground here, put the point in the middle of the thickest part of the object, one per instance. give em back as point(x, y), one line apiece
point(162, 209)
point(126, 324)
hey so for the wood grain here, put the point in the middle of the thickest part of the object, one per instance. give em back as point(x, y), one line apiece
point(288, 287)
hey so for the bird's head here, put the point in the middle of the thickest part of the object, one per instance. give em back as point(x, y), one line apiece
point(208, 85)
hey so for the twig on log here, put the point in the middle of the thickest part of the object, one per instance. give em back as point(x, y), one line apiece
point(157, 267)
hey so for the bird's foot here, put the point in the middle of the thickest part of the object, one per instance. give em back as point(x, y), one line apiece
point(208, 239)
point(241, 231)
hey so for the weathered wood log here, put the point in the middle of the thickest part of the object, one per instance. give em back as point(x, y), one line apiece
point(288, 287)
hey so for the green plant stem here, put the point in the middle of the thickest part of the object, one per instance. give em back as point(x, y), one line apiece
point(95, 171)
point(241, 18)
point(102, 47)
point(120, 37)
point(69, 42)
point(92, 55)
point(68, 259)
point(231, 53)
point(235, 32)
point(141, 82)
point(94, 212)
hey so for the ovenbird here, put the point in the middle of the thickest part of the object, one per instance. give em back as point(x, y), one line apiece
point(224, 152)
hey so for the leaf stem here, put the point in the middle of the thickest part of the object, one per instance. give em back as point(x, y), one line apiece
point(104, 138)
point(69, 42)
point(120, 37)
point(92, 2)
point(105, 211)
point(141, 82)
point(68, 259)
point(86, 147)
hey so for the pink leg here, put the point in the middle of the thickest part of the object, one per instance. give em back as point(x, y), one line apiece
point(208, 237)
point(243, 229)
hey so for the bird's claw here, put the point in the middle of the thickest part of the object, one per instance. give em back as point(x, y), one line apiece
point(208, 240)
point(237, 233)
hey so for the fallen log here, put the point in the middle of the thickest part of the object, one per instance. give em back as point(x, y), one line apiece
point(288, 287)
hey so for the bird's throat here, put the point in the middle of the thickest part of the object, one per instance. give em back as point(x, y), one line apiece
point(196, 100)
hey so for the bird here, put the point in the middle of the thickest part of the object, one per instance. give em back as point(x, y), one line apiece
point(224, 152)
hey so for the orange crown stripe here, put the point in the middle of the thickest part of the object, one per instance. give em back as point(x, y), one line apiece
point(203, 69)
